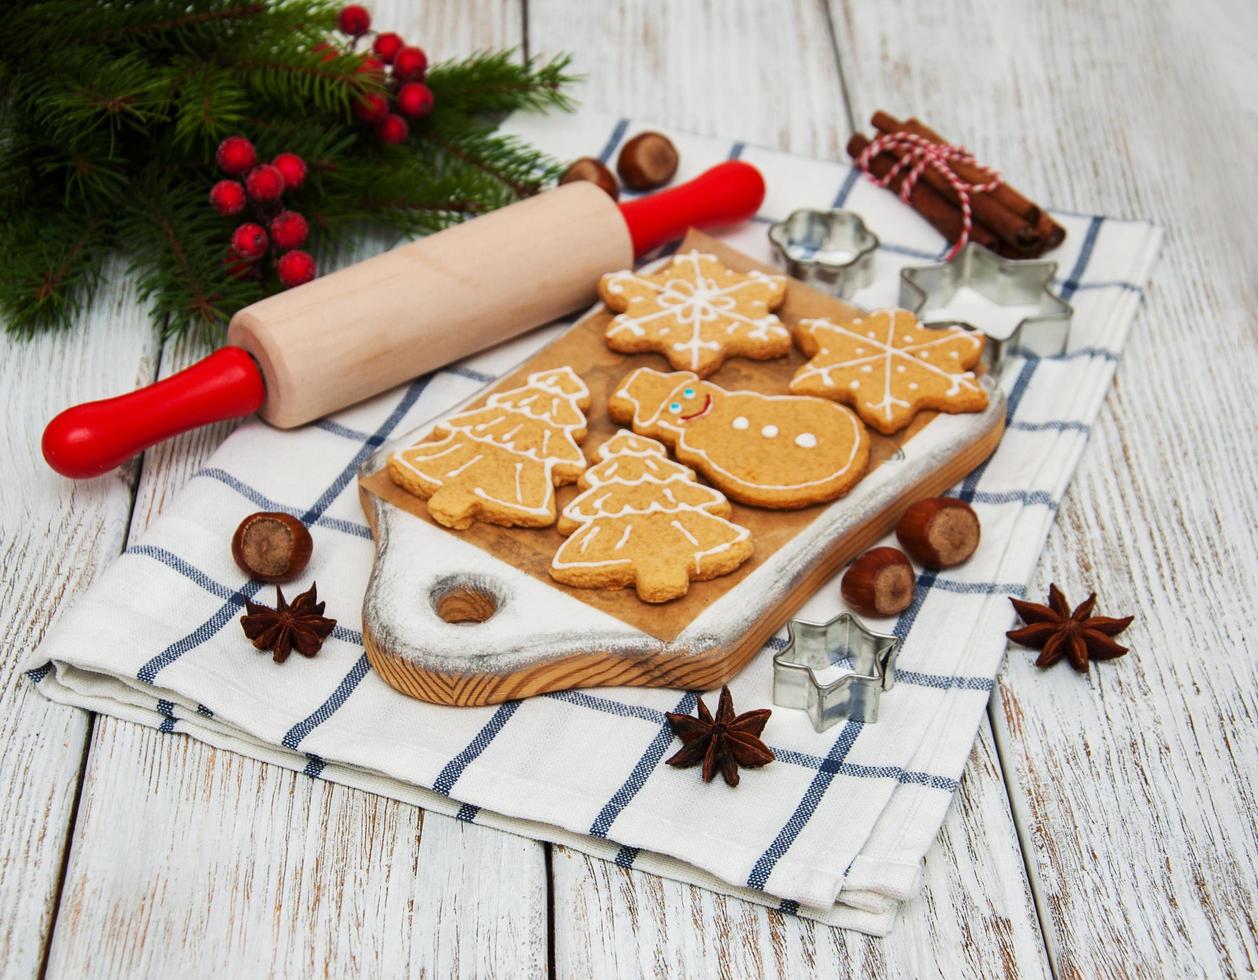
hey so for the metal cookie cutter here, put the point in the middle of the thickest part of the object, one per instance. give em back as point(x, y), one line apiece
point(832, 250)
point(1006, 282)
point(843, 642)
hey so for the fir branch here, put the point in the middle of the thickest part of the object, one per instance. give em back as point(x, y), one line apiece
point(461, 150)
point(494, 82)
point(301, 78)
point(110, 111)
point(51, 271)
point(180, 259)
point(209, 103)
point(244, 11)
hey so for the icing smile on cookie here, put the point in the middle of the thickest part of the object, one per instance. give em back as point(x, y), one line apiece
point(707, 407)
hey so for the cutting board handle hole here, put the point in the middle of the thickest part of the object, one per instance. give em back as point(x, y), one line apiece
point(457, 600)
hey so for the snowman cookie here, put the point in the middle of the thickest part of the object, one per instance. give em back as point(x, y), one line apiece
point(696, 312)
point(645, 521)
point(889, 367)
point(776, 451)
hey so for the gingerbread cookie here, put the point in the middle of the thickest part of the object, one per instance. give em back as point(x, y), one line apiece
point(889, 367)
point(696, 312)
point(778, 451)
point(501, 463)
point(642, 520)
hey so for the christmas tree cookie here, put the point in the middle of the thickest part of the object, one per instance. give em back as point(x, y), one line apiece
point(889, 367)
point(501, 463)
point(778, 451)
point(642, 520)
point(696, 312)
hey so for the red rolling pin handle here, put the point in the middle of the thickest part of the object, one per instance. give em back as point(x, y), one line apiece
point(93, 438)
point(728, 193)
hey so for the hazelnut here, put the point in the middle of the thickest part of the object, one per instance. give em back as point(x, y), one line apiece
point(595, 171)
point(272, 547)
point(879, 583)
point(939, 532)
point(647, 161)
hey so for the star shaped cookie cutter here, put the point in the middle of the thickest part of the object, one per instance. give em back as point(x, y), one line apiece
point(844, 642)
point(832, 250)
point(1005, 282)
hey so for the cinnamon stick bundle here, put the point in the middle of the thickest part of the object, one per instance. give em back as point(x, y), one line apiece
point(1002, 219)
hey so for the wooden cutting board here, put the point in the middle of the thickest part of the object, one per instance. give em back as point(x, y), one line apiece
point(473, 617)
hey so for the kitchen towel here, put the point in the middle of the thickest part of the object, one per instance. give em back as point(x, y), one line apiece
point(836, 829)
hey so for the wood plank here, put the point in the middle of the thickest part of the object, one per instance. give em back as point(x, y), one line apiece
point(55, 538)
point(973, 917)
point(768, 75)
point(1133, 788)
point(189, 859)
point(254, 869)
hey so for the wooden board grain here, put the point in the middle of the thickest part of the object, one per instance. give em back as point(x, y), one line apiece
point(766, 73)
point(187, 857)
point(1098, 106)
point(1133, 788)
point(56, 537)
point(604, 660)
point(975, 916)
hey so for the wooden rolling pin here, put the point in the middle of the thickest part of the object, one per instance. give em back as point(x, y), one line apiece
point(300, 354)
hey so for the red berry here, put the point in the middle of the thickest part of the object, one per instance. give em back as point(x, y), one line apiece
point(289, 229)
point(327, 52)
point(393, 129)
point(409, 65)
point(228, 197)
point(294, 268)
point(265, 183)
point(370, 65)
point(371, 107)
point(235, 155)
point(249, 241)
point(353, 20)
point(292, 168)
point(387, 45)
point(415, 99)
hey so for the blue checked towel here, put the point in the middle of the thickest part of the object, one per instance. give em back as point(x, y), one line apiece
point(835, 830)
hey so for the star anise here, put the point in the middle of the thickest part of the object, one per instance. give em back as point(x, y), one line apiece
point(723, 743)
point(1057, 632)
point(300, 626)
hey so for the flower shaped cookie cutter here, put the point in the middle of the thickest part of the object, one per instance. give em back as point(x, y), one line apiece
point(1004, 282)
point(865, 658)
point(832, 250)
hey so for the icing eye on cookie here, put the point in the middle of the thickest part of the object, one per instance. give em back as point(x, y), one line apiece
point(688, 393)
point(674, 407)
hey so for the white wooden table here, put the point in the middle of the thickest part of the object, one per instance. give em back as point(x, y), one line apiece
point(1103, 824)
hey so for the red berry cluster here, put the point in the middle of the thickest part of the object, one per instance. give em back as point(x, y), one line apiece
point(405, 96)
point(264, 186)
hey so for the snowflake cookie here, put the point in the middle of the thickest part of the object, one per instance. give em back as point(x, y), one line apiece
point(889, 367)
point(776, 451)
point(645, 521)
point(501, 463)
point(696, 312)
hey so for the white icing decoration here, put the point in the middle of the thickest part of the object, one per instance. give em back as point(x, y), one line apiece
point(550, 398)
point(886, 354)
point(701, 514)
point(769, 431)
point(806, 440)
point(682, 445)
point(693, 302)
point(740, 423)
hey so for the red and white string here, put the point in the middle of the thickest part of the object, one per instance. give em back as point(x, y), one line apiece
point(918, 153)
